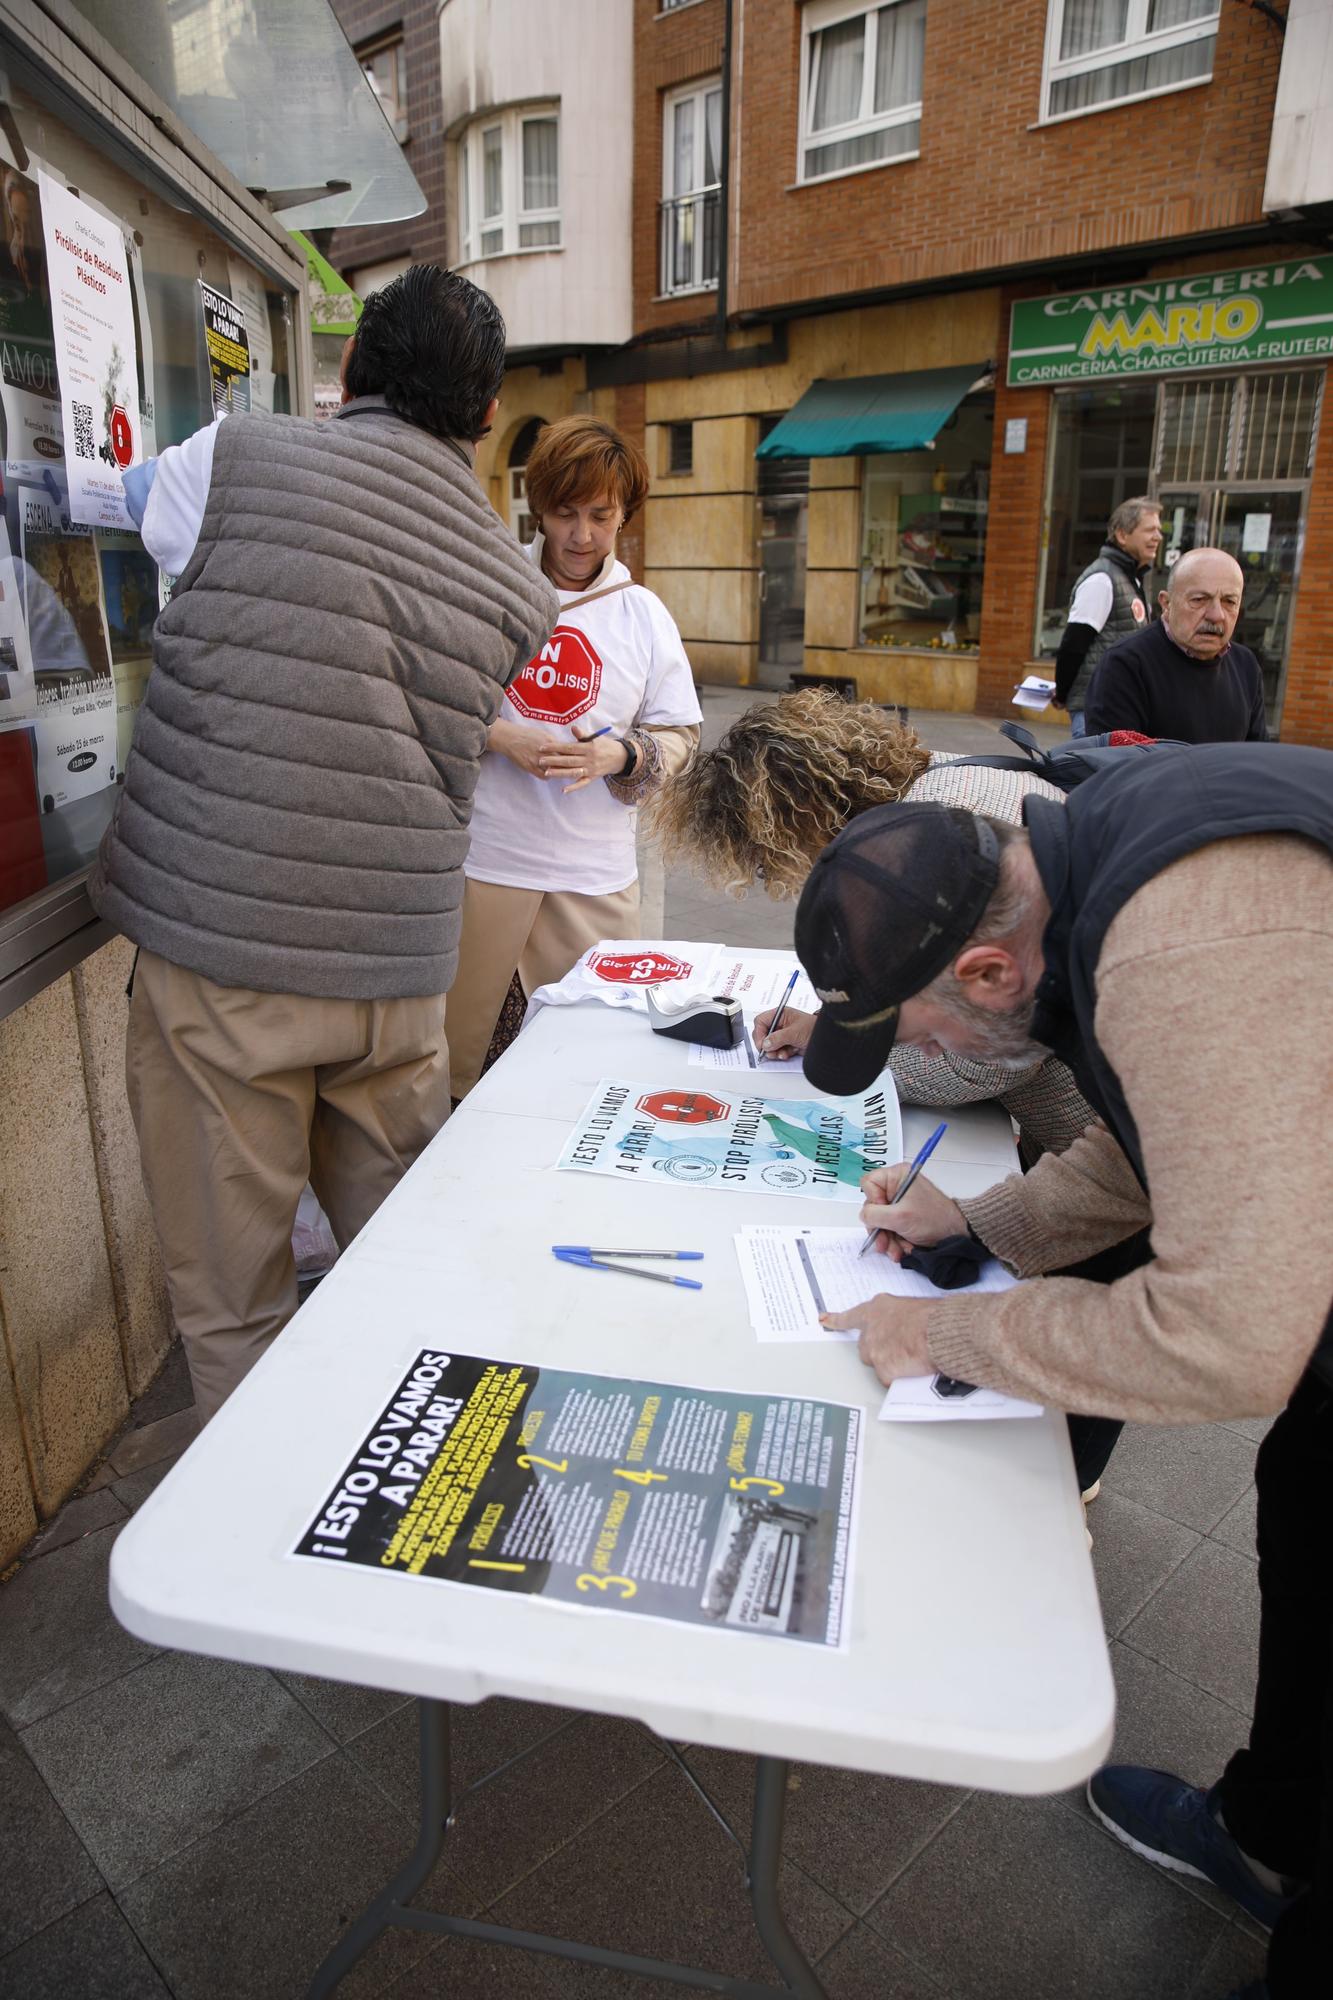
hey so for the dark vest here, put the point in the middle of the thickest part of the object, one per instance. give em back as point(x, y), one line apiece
point(297, 795)
point(1120, 830)
point(1126, 591)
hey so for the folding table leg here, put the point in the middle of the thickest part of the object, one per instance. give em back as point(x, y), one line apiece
point(387, 1906)
point(770, 1805)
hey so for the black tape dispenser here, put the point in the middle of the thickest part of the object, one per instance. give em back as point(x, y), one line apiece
point(710, 1019)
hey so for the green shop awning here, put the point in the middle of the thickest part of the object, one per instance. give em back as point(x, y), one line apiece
point(334, 306)
point(868, 413)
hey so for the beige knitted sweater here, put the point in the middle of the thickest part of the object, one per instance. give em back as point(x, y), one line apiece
point(1212, 1007)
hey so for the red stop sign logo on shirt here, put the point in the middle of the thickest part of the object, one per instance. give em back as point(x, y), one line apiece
point(122, 438)
point(637, 968)
point(562, 683)
point(684, 1107)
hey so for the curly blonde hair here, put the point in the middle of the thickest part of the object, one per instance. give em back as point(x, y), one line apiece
point(785, 778)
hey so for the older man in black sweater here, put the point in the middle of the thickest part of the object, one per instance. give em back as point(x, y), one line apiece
point(1184, 677)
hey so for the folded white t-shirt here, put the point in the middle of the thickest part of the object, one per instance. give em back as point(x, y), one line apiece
point(617, 970)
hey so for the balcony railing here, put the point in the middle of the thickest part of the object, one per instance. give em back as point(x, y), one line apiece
point(689, 237)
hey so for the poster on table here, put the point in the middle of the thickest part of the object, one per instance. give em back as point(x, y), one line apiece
point(130, 599)
point(29, 385)
point(249, 295)
point(652, 1499)
point(92, 312)
point(62, 609)
point(228, 346)
point(724, 1138)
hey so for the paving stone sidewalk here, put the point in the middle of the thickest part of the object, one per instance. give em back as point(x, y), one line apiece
point(179, 1826)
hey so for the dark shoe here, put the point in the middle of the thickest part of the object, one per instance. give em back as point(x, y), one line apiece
point(1175, 1824)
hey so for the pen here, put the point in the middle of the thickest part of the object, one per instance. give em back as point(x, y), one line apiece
point(629, 1271)
point(776, 1022)
point(598, 732)
point(585, 1250)
point(911, 1174)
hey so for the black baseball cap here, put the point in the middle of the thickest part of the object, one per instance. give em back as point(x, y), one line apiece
point(886, 908)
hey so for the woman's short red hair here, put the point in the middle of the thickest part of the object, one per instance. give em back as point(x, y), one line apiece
point(577, 459)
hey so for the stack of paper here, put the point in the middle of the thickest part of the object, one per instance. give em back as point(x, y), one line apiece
point(1034, 692)
point(791, 1276)
point(758, 984)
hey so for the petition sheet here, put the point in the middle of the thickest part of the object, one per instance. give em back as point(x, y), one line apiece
point(791, 1276)
point(727, 1139)
point(648, 1499)
point(757, 984)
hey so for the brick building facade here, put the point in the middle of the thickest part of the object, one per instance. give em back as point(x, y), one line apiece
point(899, 175)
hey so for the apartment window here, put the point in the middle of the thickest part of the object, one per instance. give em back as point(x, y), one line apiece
point(691, 188)
point(509, 183)
point(860, 85)
point(1103, 51)
point(680, 447)
point(384, 64)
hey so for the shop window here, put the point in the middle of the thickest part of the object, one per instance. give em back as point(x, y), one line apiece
point(384, 63)
point(1102, 52)
point(923, 543)
point(520, 516)
point(689, 213)
point(78, 600)
point(680, 448)
point(861, 73)
point(1100, 454)
point(509, 184)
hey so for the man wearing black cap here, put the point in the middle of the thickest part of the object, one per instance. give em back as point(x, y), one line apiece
point(1169, 934)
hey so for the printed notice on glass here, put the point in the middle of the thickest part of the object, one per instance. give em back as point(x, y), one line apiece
point(29, 385)
point(228, 345)
point(67, 638)
point(648, 1499)
point(729, 1139)
point(92, 312)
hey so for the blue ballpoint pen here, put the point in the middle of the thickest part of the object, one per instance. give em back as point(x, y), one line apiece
point(568, 1255)
point(911, 1174)
point(776, 1022)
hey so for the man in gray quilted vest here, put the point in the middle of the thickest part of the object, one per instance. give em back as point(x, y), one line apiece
point(287, 851)
point(1110, 602)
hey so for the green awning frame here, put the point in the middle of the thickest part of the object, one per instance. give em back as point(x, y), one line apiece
point(334, 306)
point(870, 413)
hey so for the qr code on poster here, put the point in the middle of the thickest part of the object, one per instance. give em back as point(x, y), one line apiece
point(83, 431)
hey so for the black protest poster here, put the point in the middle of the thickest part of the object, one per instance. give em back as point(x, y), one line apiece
point(645, 1498)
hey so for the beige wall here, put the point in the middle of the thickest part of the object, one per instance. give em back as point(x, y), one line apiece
point(702, 529)
point(83, 1308)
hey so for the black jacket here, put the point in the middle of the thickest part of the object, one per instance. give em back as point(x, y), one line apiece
point(1151, 684)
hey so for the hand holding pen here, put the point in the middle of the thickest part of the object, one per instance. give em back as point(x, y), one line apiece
point(777, 1019)
point(599, 754)
point(927, 1218)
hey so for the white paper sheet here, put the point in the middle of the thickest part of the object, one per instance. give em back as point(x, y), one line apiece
point(757, 984)
point(1034, 692)
point(792, 1275)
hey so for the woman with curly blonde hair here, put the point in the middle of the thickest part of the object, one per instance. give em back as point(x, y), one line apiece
point(785, 778)
point(790, 773)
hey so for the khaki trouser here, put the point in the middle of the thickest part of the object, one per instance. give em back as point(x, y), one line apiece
point(238, 1097)
point(540, 933)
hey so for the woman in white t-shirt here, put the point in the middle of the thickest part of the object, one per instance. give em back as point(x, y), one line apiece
point(587, 731)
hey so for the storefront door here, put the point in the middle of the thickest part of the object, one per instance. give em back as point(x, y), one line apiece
point(784, 497)
point(1260, 525)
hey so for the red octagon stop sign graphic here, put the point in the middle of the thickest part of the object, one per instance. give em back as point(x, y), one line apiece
point(637, 968)
point(562, 683)
point(122, 438)
point(684, 1107)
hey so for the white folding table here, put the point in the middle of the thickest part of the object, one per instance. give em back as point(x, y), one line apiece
point(976, 1654)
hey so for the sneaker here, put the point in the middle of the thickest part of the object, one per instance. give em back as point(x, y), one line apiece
point(1175, 1824)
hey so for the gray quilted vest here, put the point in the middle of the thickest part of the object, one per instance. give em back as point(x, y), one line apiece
point(1126, 591)
point(296, 800)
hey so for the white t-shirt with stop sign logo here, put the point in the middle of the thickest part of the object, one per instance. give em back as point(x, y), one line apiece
point(616, 661)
